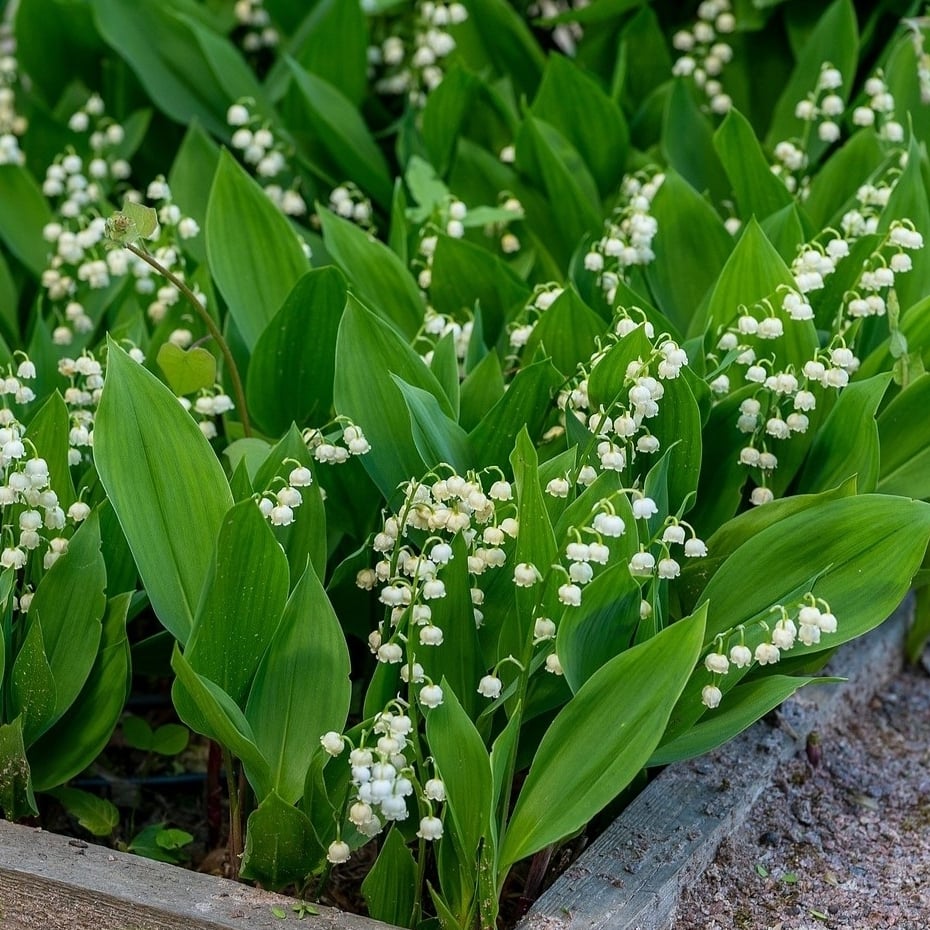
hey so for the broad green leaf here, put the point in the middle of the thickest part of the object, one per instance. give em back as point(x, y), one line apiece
point(848, 441)
point(24, 211)
point(576, 106)
point(32, 685)
point(481, 390)
point(609, 729)
point(741, 708)
point(860, 558)
point(207, 709)
point(525, 404)
point(758, 192)
point(369, 354)
point(691, 247)
point(509, 42)
point(568, 331)
point(437, 437)
point(687, 143)
point(95, 814)
point(255, 256)
point(70, 603)
point(81, 734)
point(463, 764)
point(331, 42)
point(785, 230)
point(343, 133)
point(16, 796)
point(835, 39)
point(242, 601)
point(390, 888)
point(301, 689)
point(186, 370)
point(188, 70)
point(9, 298)
point(464, 275)
point(140, 426)
point(167, 740)
point(290, 378)
point(602, 627)
point(555, 164)
point(376, 275)
point(447, 108)
point(281, 847)
point(904, 437)
point(48, 432)
point(445, 366)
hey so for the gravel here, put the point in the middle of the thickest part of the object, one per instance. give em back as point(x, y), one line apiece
point(842, 837)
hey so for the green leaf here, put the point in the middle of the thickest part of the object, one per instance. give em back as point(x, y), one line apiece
point(525, 404)
point(576, 106)
point(144, 219)
point(447, 108)
point(188, 70)
point(24, 211)
point(508, 41)
point(466, 275)
point(140, 426)
point(437, 437)
point(343, 133)
point(190, 179)
point(96, 815)
point(904, 437)
point(608, 729)
point(568, 331)
point(687, 143)
point(81, 734)
point(368, 356)
point(290, 379)
point(758, 192)
point(741, 708)
point(860, 559)
point(481, 390)
point(848, 441)
point(207, 709)
point(390, 888)
point(16, 796)
point(445, 366)
point(242, 602)
point(376, 275)
point(464, 766)
point(32, 685)
point(602, 627)
point(281, 847)
point(555, 164)
point(691, 248)
point(70, 602)
point(48, 432)
point(255, 256)
point(301, 689)
point(186, 370)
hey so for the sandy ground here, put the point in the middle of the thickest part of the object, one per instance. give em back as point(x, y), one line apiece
point(844, 843)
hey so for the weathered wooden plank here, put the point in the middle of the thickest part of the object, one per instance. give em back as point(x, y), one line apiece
point(48, 881)
point(631, 877)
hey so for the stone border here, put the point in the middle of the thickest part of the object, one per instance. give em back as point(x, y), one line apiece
point(630, 878)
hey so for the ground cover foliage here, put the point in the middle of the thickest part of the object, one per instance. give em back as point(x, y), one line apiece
point(489, 400)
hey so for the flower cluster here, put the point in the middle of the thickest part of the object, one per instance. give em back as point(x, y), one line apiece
point(268, 156)
point(383, 779)
point(257, 31)
point(705, 54)
point(278, 506)
point(804, 622)
point(206, 407)
point(621, 430)
point(878, 110)
point(565, 35)
point(628, 232)
point(410, 50)
point(521, 328)
point(326, 447)
point(438, 325)
point(12, 123)
point(350, 203)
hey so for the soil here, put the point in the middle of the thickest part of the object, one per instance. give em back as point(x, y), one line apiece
point(841, 840)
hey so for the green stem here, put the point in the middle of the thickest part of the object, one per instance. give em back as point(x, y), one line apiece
point(235, 815)
point(213, 329)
